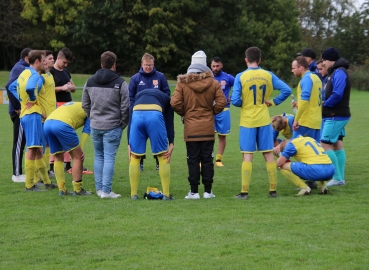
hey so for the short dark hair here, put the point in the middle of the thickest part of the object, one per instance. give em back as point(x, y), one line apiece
point(320, 61)
point(108, 59)
point(47, 52)
point(301, 61)
point(217, 59)
point(25, 53)
point(67, 54)
point(35, 55)
point(253, 54)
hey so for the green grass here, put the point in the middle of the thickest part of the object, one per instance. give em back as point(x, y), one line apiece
point(44, 231)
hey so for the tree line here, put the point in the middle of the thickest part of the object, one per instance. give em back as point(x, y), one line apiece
point(173, 30)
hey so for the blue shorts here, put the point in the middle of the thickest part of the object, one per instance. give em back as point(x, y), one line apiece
point(222, 122)
point(306, 132)
point(313, 172)
point(333, 130)
point(60, 136)
point(33, 131)
point(144, 125)
point(262, 137)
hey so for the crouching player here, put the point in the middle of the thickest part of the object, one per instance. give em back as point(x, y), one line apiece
point(312, 163)
point(153, 118)
point(283, 124)
point(59, 129)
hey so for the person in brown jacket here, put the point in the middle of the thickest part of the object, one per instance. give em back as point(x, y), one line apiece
point(197, 98)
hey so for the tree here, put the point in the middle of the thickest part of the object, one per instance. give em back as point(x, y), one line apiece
point(56, 15)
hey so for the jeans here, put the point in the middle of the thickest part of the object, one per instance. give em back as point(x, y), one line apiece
point(106, 144)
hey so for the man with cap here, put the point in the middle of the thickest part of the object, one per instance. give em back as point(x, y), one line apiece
point(197, 98)
point(336, 112)
point(310, 56)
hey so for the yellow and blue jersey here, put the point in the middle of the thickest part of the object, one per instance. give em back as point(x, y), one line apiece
point(46, 98)
point(309, 100)
point(251, 89)
point(306, 150)
point(72, 114)
point(29, 84)
point(287, 131)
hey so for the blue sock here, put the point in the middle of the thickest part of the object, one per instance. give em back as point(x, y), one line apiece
point(341, 158)
point(333, 157)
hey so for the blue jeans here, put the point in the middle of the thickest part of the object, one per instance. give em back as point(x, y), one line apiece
point(106, 144)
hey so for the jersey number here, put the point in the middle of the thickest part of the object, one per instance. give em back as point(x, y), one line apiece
point(315, 148)
point(262, 88)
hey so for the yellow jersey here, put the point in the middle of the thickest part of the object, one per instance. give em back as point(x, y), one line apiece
point(309, 100)
point(29, 84)
point(46, 97)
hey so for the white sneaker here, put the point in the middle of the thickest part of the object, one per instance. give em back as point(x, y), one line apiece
point(336, 183)
point(209, 195)
point(109, 195)
point(98, 192)
point(191, 195)
point(19, 178)
point(304, 191)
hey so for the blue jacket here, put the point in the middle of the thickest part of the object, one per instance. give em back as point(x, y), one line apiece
point(314, 68)
point(14, 74)
point(142, 80)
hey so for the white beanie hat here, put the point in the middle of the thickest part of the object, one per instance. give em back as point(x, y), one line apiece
point(199, 57)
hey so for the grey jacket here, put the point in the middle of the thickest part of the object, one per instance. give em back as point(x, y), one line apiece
point(105, 100)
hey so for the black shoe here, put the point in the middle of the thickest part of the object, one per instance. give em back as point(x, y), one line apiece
point(64, 193)
point(82, 192)
point(165, 198)
point(311, 184)
point(157, 167)
point(273, 194)
point(51, 186)
point(242, 195)
point(34, 189)
point(40, 183)
point(324, 192)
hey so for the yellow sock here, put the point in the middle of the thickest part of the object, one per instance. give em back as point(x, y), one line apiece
point(30, 172)
point(46, 156)
point(77, 186)
point(42, 170)
point(294, 179)
point(219, 157)
point(134, 174)
point(59, 175)
point(164, 172)
point(322, 183)
point(36, 177)
point(246, 176)
point(272, 174)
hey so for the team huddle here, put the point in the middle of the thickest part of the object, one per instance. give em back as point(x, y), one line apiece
point(45, 119)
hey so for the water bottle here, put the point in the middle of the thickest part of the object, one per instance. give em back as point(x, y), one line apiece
point(292, 101)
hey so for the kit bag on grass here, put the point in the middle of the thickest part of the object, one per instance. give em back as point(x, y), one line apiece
point(153, 194)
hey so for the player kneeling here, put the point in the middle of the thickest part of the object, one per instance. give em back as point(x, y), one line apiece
point(311, 163)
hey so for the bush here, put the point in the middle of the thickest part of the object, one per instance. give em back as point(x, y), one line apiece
point(359, 77)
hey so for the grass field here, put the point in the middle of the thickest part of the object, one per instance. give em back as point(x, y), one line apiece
point(45, 231)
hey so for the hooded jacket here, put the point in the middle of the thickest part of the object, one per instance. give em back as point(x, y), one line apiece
point(142, 80)
point(337, 91)
point(198, 97)
point(105, 100)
